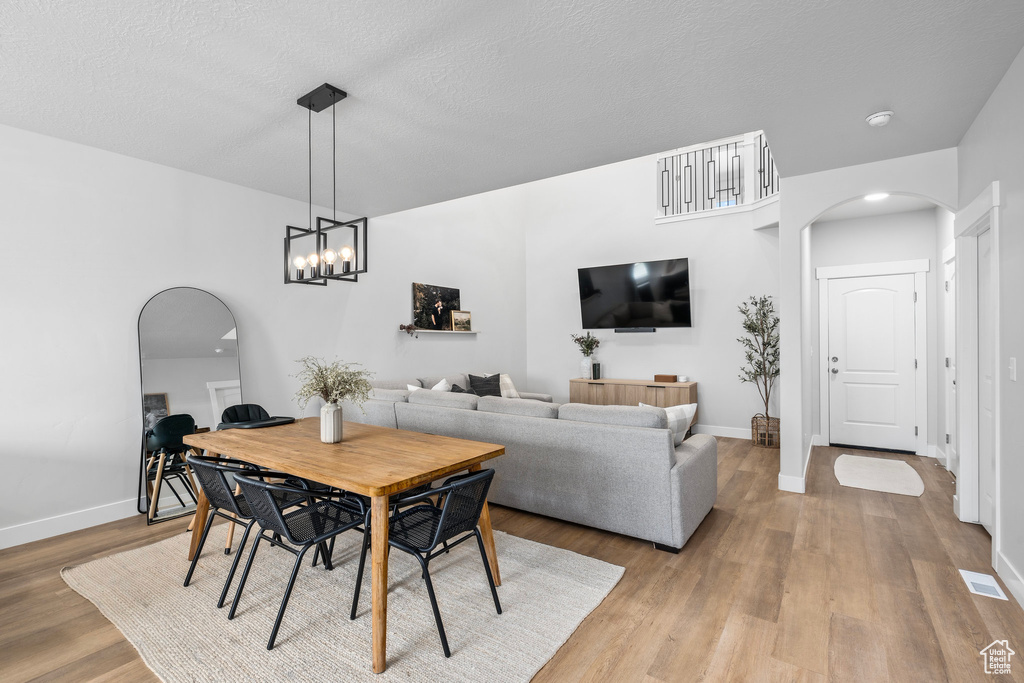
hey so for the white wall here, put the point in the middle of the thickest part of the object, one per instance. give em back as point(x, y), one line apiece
point(805, 198)
point(876, 239)
point(993, 150)
point(89, 236)
point(605, 215)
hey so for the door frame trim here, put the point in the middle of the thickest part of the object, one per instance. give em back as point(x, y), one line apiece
point(918, 268)
point(980, 215)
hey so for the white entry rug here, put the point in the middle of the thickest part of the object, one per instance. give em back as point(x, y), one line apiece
point(545, 594)
point(878, 474)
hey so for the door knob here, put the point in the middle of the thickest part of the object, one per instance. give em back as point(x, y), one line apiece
point(834, 359)
point(835, 371)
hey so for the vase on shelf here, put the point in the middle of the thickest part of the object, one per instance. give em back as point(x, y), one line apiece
point(330, 423)
point(587, 367)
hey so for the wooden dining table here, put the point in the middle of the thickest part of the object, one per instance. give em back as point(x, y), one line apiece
point(373, 461)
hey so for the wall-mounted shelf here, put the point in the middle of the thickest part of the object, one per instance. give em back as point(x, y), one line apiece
point(418, 331)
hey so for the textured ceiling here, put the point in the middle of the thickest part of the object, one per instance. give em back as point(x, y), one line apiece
point(447, 99)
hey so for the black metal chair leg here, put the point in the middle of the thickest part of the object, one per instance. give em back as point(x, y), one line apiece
point(245, 575)
point(328, 560)
point(171, 487)
point(433, 605)
point(234, 563)
point(284, 600)
point(199, 548)
point(487, 568)
point(359, 573)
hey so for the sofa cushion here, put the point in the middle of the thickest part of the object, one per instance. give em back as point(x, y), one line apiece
point(679, 419)
point(390, 394)
point(432, 380)
point(445, 399)
point(458, 389)
point(486, 386)
point(517, 406)
point(627, 416)
point(393, 383)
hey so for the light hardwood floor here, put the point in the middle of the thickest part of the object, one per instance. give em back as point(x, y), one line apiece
point(837, 583)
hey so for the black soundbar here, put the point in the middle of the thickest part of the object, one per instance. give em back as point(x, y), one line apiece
point(636, 329)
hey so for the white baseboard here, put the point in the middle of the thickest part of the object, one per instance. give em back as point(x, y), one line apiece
point(62, 524)
point(1011, 577)
point(818, 440)
point(937, 453)
point(788, 482)
point(730, 432)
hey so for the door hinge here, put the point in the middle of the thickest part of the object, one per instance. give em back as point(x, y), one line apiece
point(947, 285)
point(915, 364)
point(915, 297)
point(915, 431)
point(947, 361)
point(947, 438)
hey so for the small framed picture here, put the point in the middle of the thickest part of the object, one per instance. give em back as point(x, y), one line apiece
point(461, 321)
point(154, 408)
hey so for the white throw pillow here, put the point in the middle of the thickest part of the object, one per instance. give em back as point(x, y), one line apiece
point(508, 390)
point(412, 387)
point(443, 385)
point(679, 419)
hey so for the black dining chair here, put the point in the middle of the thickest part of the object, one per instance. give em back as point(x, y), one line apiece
point(246, 415)
point(216, 476)
point(434, 527)
point(321, 519)
point(166, 461)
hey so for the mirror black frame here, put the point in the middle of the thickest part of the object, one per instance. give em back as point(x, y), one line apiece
point(142, 497)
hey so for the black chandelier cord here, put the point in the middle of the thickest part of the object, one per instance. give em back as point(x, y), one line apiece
point(309, 130)
point(334, 158)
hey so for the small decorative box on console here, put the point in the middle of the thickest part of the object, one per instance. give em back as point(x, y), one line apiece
point(666, 378)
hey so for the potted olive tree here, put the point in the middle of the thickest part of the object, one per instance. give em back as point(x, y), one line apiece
point(761, 347)
point(332, 382)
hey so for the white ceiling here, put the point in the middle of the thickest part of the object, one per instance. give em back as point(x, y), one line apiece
point(452, 98)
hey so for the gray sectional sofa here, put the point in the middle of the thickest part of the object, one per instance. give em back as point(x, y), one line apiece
point(610, 467)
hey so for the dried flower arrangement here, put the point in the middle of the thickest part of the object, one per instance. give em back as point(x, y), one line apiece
point(333, 382)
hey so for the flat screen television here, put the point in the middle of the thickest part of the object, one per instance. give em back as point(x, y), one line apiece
point(647, 294)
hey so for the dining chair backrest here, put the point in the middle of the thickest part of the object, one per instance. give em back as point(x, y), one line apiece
point(266, 506)
point(168, 432)
point(217, 479)
point(244, 412)
point(463, 500)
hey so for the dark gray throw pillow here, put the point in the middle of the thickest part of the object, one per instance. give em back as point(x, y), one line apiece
point(456, 389)
point(486, 386)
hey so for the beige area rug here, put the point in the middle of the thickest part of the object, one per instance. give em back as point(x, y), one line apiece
point(545, 594)
point(878, 474)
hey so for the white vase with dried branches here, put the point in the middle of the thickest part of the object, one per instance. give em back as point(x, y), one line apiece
point(332, 382)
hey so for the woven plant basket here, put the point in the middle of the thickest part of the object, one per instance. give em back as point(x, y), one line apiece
point(764, 431)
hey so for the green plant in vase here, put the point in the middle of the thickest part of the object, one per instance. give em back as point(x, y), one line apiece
point(761, 347)
point(588, 344)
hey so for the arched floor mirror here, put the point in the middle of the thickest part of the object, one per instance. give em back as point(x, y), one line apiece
point(188, 359)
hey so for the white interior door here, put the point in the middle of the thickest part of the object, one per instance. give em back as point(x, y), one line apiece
point(986, 384)
point(952, 458)
point(872, 384)
point(223, 394)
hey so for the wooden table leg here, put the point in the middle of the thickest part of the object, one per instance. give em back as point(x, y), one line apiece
point(488, 535)
point(379, 580)
point(156, 486)
point(199, 521)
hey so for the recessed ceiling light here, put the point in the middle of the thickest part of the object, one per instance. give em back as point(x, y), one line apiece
point(879, 118)
point(875, 197)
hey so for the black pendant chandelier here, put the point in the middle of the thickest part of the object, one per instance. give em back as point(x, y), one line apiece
point(333, 250)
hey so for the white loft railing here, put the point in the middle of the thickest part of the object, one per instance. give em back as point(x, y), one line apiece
point(721, 175)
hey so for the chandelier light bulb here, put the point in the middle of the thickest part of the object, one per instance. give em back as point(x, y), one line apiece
point(313, 260)
point(299, 262)
point(330, 256)
point(346, 253)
